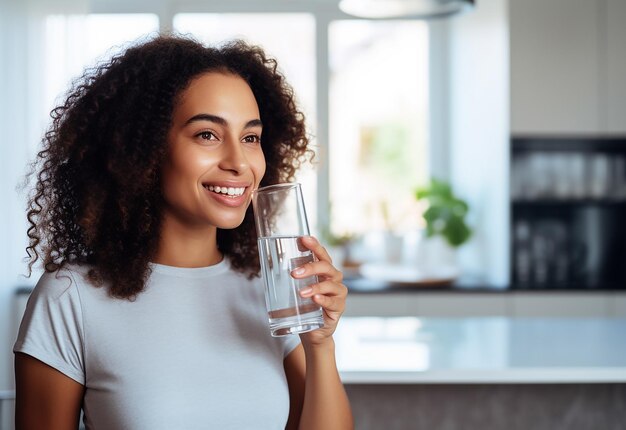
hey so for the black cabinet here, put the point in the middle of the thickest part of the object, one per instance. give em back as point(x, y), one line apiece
point(568, 213)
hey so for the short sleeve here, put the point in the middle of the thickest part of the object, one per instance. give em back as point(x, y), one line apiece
point(290, 342)
point(52, 326)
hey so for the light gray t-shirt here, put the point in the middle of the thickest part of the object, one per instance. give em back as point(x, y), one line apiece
point(193, 351)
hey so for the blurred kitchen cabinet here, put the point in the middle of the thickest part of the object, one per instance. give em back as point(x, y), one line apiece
point(618, 305)
point(428, 304)
point(616, 66)
point(457, 304)
point(448, 305)
point(555, 66)
point(568, 205)
point(568, 67)
point(379, 305)
point(545, 304)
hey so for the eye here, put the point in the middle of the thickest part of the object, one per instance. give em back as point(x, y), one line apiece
point(252, 138)
point(207, 135)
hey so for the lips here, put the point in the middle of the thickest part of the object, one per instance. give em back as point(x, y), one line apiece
point(231, 194)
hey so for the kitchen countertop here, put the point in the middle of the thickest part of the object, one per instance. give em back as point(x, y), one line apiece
point(485, 350)
point(361, 285)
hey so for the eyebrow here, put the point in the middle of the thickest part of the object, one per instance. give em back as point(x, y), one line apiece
point(221, 121)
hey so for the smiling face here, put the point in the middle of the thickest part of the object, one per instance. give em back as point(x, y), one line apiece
point(215, 158)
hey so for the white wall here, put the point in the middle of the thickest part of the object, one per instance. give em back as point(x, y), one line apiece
point(479, 133)
point(13, 156)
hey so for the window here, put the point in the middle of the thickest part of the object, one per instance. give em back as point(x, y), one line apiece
point(74, 42)
point(378, 124)
point(362, 85)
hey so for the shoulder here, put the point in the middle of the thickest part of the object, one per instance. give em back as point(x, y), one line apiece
point(62, 282)
point(52, 328)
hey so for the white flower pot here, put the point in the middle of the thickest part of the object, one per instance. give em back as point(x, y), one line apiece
point(435, 257)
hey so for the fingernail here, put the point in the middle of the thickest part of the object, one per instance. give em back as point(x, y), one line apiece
point(298, 271)
point(306, 291)
point(311, 239)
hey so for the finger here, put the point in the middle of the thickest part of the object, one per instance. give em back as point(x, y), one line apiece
point(330, 303)
point(326, 288)
point(319, 268)
point(318, 250)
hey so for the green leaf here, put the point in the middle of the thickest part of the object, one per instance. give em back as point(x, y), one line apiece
point(445, 214)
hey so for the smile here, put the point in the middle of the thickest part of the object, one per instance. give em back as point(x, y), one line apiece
point(228, 191)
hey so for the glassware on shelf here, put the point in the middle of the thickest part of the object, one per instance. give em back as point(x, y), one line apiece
point(523, 253)
point(576, 173)
point(544, 253)
point(568, 206)
point(618, 185)
point(564, 176)
point(599, 184)
point(563, 181)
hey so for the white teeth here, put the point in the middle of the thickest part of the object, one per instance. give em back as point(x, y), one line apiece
point(231, 191)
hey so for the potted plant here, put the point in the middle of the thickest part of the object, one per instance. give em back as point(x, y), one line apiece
point(446, 228)
point(445, 215)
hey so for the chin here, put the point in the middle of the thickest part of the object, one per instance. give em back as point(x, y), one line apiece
point(229, 224)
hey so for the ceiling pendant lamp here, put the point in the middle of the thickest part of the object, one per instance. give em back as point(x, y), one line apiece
point(384, 9)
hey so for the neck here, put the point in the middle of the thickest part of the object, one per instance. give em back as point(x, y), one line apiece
point(181, 245)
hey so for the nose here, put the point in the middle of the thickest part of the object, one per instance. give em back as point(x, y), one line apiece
point(233, 157)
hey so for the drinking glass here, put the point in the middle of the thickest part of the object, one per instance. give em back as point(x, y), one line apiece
point(281, 223)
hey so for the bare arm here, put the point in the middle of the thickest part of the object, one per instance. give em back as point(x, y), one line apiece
point(45, 397)
point(318, 398)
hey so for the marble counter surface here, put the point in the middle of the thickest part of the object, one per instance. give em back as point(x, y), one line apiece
point(485, 350)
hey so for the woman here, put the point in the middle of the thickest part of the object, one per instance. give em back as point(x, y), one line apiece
point(150, 313)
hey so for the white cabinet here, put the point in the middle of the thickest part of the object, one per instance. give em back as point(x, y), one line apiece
point(568, 63)
point(546, 304)
point(524, 304)
point(428, 304)
point(452, 305)
point(616, 66)
point(554, 66)
point(379, 305)
point(618, 305)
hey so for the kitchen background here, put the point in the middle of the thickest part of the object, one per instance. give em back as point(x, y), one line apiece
point(518, 105)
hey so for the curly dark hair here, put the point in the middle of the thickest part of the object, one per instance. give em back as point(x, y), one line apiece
point(97, 198)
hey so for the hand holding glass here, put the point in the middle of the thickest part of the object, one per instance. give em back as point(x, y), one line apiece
point(281, 223)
